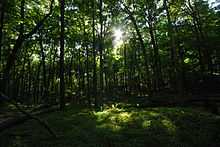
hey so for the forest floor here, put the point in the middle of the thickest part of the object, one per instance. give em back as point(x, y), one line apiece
point(118, 126)
point(7, 113)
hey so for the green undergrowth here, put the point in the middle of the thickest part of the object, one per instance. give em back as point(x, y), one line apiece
point(119, 127)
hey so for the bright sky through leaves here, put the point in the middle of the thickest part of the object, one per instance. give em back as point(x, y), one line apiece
point(118, 37)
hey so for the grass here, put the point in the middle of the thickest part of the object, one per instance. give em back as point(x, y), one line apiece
point(118, 127)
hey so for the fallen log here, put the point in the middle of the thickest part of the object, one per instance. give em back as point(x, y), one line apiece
point(26, 116)
point(11, 122)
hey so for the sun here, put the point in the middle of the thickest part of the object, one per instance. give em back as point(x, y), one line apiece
point(118, 37)
point(118, 34)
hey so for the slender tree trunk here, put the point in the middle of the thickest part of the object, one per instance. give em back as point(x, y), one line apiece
point(85, 45)
point(156, 59)
point(53, 71)
point(70, 71)
point(29, 79)
point(38, 83)
point(62, 88)
point(101, 49)
point(125, 70)
point(94, 53)
point(44, 69)
point(79, 69)
point(173, 70)
point(2, 8)
point(87, 76)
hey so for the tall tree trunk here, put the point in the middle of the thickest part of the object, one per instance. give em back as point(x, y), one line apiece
point(53, 71)
point(70, 83)
point(79, 73)
point(101, 49)
point(2, 14)
point(94, 53)
point(42, 54)
point(2, 8)
point(85, 45)
point(38, 83)
point(87, 76)
point(62, 88)
point(173, 70)
point(29, 80)
point(125, 71)
point(157, 71)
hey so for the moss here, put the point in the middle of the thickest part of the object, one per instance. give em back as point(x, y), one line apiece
point(114, 126)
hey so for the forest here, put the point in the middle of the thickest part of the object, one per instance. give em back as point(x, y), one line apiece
point(110, 73)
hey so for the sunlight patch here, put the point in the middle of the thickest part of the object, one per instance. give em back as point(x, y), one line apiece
point(153, 113)
point(146, 123)
point(112, 127)
point(187, 60)
point(124, 117)
point(169, 125)
point(101, 116)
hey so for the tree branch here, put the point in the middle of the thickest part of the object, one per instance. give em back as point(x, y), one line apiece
point(28, 115)
point(21, 38)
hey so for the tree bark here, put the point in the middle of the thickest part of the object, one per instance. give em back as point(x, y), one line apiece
point(94, 53)
point(42, 54)
point(62, 88)
point(173, 64)
point(101, 50)
point(2, 7)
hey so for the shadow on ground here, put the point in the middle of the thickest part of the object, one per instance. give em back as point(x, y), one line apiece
point(116, 127)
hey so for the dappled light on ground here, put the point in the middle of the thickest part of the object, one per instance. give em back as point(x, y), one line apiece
point(116, 127)
point(169, 125)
